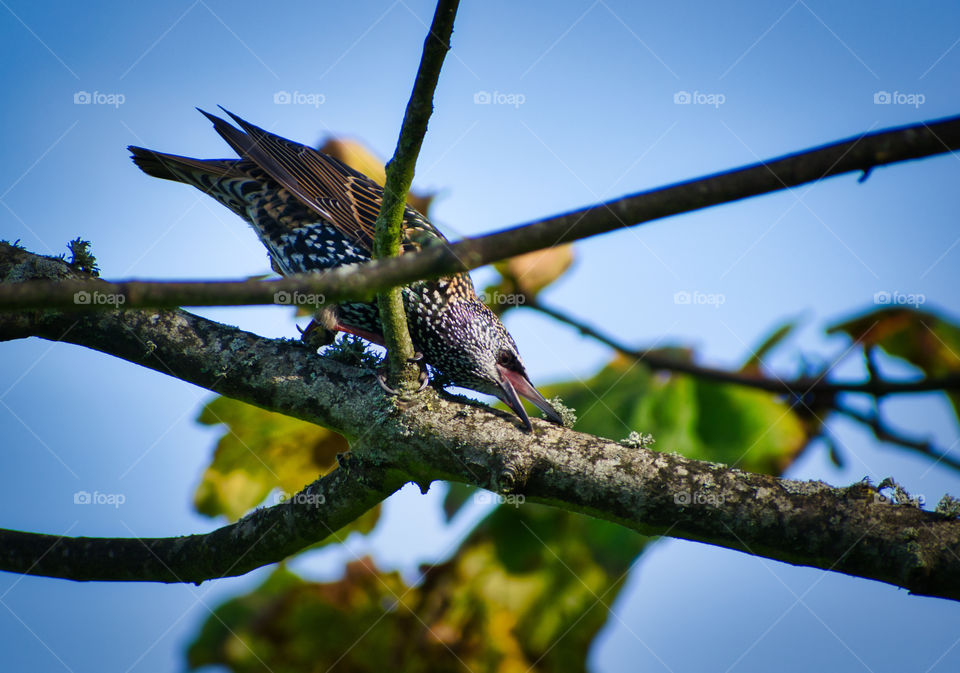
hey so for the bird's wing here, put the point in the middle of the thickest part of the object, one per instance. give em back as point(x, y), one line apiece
point(341, 195)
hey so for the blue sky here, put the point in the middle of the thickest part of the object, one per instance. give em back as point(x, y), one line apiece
point(586, 104)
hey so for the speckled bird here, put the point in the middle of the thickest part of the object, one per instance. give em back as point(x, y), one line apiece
point(313, 212)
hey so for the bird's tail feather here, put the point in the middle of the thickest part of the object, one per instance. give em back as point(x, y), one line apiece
point(180, 169)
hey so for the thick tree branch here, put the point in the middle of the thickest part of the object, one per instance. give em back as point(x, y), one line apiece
point(399, 177)
point(848, 530)
point(361, 282)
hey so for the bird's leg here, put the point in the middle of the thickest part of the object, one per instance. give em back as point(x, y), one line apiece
point(424, 376)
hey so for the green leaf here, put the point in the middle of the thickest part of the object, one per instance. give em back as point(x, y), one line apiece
point(720, 422)
point(528, 589)
point(926, 340)
point(259, 453)
point(457, 496)
point(754, 364)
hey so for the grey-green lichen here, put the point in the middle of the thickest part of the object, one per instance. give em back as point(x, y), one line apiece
point(352, 350)
point(949, 506)
point(81, 258)
point(638, 440)
point(567, 414)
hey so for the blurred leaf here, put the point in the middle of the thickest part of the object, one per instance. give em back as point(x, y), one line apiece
point(457, 496)
point(754, 364)
point(926, 340)
point(524, 276)
point(356, 155)
point(259, 452)
point(527, 591)
point(700, 419)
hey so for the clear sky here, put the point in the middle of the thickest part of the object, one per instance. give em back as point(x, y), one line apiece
point(586, 103)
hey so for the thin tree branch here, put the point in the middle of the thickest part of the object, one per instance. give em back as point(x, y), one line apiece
point(797, 387)
point(264, 536)
point(363, 281)
point(399, 177)
point(847, 530)
point(885, 433)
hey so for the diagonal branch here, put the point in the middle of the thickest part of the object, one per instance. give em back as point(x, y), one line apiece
point(399, 176)
point(801, 386)
point(361, 282)
point(885, 433)
point(849, 530)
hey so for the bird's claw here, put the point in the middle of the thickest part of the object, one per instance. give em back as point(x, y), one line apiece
point(424, 376)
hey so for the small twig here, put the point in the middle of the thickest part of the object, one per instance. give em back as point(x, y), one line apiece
point(885, 434)
point(399, 177)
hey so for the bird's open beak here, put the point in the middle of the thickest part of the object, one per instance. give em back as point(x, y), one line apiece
point(516, 385)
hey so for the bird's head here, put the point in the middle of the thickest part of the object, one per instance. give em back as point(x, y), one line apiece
point(480, 354)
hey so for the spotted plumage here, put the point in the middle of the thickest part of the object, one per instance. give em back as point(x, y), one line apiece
point(313, 212)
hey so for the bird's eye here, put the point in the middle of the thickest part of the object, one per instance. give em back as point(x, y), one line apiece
point(507, 359)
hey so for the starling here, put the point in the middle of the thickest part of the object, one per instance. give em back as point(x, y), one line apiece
point(313, 212)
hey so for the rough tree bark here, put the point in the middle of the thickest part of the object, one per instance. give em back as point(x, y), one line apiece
point(846, 530)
